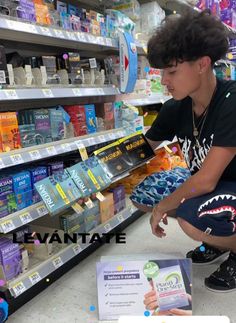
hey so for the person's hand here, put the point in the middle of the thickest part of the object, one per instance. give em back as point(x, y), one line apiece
point(179, 312)
point(156, 217)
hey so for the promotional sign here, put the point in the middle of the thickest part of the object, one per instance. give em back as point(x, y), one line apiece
point(174, 319)
point(128, 63)
point(124, 286)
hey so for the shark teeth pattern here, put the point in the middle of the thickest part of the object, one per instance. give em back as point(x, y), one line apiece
point(220, 209)
point(217, 198)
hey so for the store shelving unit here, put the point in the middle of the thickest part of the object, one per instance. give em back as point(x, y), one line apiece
point(29, 36)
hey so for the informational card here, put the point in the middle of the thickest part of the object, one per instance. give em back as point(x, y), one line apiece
point(175, 319)
point(123, 286)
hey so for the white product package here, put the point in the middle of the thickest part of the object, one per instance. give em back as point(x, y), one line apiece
point(152, 16)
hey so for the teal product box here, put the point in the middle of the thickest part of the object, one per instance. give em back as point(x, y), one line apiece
point(37, 174)
point(118, 114)
point(89, 176)
point(92, 216)
point(57, 124)
point(90, 118)
point(58, 191)
point(22, 188)
point(71, 222)
point(7, 197)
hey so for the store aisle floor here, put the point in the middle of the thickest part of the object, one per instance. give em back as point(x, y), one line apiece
point(68, 299)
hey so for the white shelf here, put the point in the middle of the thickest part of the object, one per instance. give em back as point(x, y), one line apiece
point(139, 100)
point(16, 30)
point(40, 271)
point(38, 152)
point(56, 93)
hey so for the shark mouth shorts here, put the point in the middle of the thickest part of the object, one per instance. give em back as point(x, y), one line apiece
point(213, 213)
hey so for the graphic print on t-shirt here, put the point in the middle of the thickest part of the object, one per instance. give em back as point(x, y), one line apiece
point(194, 155)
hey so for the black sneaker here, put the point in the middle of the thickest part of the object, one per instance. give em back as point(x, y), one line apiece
point(205, 254)
point(224, 278)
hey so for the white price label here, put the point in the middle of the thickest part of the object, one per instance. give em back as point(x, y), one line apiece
point(51, 151)
point(19, 289)
point(76, 92)
point(42, 210)
point(112, 136)
point(59, 33)
point(26, 218)
point(11, 94)
point(107, 227)
point(81, 37)
point(2, 165)
point(30, 28)
point(57, 262)
point(13, 24)
point(120, 218)
point(76, 249)
point(108, 42)
point(91, 141)
point(35, 154)
point(46, 31)
point(101, 41)
point(91, 39)
point(16, 159)
point(71, 35)
point(66, 147)
point(8, 226)
point(35, 278)
point(47, 93)
point(100, 91)
point(89, 204)
point(102, 138)
point(120, 134)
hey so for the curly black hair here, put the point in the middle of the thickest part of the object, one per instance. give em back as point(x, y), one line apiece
point(187, 38)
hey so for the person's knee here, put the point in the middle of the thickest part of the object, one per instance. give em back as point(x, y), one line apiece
point(142, 207)
point(190, 230)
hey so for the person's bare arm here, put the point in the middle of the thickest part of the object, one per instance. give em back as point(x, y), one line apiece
point(154, 144)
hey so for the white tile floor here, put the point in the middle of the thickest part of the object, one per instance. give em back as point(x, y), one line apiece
point(69, 298)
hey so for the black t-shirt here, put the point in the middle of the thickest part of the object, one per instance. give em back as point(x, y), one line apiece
point(219, 129)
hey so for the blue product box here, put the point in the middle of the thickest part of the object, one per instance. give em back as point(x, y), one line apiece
point(90, 118)
point(22, 188)
point(57, 191)
point(7, 197)
point(37, 174)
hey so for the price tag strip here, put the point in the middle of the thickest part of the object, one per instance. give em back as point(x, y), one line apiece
point(2, 165)
point(47, 93)
point(57, 262)
point(51, 151)
point(35, 278)
point(26, 218)
point(107, 227)
point(18, 289)
point(35, 154)
point(77, 249)
point(42, 210)
point(16, 159)
point(8, 226)
point(120, 218)
point(11, 94)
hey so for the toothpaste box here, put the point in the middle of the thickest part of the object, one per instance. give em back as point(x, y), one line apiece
point(170, 287)
point(57, 125)
point(37, 174)
point(7, 197)
point(57, 191)
point(90, 118)
point(10, 259)
point(22, 188)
